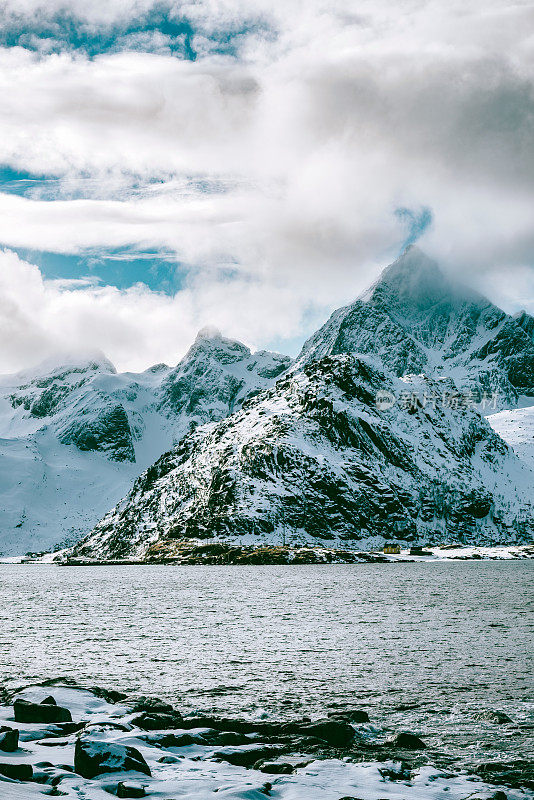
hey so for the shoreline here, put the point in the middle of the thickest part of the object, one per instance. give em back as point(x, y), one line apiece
point(223, 554)
point(67, 739)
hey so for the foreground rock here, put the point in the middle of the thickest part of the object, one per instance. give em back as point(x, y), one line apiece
point(92, 758)
point(9, 740)
point(408, 741)
point(40, 712)
point(17, 772)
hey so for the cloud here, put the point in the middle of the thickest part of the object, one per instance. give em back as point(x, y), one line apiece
point(280, 172)
point(135, 327)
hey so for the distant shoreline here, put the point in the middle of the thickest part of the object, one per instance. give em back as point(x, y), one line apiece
point(220, 554)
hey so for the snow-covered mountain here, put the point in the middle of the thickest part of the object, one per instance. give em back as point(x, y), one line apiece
point(74, 435)
point(415, 320)
point(372, 434)
point(314, 459)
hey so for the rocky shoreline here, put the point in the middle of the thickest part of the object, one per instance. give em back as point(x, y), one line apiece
point(195, 553)
point(59, 739)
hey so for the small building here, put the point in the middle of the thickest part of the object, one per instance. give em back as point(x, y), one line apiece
point(392, 548)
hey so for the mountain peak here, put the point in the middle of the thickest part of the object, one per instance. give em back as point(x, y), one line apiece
point(208, 332)
point(415, 277)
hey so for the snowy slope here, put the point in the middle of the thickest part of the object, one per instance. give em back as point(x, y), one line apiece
point(74, 435)
point(415, 320)
point(516, 427)
point(315, 457)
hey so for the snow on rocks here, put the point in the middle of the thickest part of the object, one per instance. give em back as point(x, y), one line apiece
point(92, 758)
point(291, 762)
point(75, 435)
point(315, 459)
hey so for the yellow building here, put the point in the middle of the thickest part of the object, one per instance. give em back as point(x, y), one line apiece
point(392, 548)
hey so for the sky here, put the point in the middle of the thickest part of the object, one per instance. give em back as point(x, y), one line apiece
point(252, 164)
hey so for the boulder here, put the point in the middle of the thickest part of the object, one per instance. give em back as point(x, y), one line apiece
point(407, 741)
point(498, 717)
point(9, 740)
point(155, 721)
point(17, 772)
point(150, 704)
point(130, 790)
point(39, 712)
point(336, 733)
point(354, 715)
point(92, 758)
point(225, 738)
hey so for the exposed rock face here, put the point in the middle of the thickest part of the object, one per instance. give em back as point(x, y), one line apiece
point(216, 376)
point(315, 459)
point(74, 437)
point(414, 320)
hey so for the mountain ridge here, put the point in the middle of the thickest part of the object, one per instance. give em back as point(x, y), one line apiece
point(374, 425)
point(415, 320)
point(73, 436)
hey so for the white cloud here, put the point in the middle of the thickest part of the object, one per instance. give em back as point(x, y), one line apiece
point(134, 327)
point(334, 114)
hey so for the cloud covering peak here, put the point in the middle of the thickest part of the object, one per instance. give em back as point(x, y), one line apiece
point(275, 152)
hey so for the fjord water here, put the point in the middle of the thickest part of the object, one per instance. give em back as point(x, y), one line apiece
point(426, 647)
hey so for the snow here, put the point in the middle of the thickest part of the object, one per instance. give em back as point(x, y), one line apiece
point(460, 553)
point(516, 427)
point(192, 773)
point(52, 492)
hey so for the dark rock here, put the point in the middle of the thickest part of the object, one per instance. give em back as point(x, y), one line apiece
point(38, 713)
point(152, 705)
point(273, 768)
point(64, 729)
point(499, 796)
point(173, 739)
point(9, 740)
point(335, 732)
point(408, 741)
point(49, 701)
point(92, 758)
point(17, 772)
point(234, 725)
point(498, 717)
point(130, 790)
point(248, 758)
point(153, 721)
point(518, 774)
point(225, 738)
point(354, 715)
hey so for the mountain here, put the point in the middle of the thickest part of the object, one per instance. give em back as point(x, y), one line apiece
point(415, 320)
point(74, 435)
point(315, 459)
